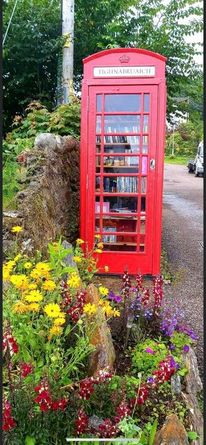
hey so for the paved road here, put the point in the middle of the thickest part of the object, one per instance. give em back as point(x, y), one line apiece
point(182, 238)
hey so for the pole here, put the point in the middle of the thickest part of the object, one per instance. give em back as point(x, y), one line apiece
point(173, 140)
point(68, 50)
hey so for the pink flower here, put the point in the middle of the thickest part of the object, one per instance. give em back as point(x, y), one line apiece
point(149, 351)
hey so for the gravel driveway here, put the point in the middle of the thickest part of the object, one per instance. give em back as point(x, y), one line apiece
point(182, 238)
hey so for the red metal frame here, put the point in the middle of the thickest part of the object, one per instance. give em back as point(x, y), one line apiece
point(147, 261)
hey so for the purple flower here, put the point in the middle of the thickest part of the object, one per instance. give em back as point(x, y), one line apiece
point(149, 350)
point(186, 348)
point(115, 298)
point(150, 380)
point(148, 314)
point(172, 347)
point(187, 331)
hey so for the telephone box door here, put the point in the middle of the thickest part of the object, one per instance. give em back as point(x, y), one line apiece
point(121, 170)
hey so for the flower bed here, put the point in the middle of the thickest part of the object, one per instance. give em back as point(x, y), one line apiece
point(49, 392)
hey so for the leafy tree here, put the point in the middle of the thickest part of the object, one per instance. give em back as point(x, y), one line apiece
point(30, 54)
point(33, 44)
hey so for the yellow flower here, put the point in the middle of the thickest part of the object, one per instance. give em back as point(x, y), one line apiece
point(108, 311)
point(17, 257)
point(52, 310)
point(98, 251)
point(49, 285)
point(74, 281)
point(34, 296)
point(28, 265)
point(90, 309)
point(17, 229)
point(79, 241)
point(103, 291)
point(98, 236)
point(33, 307)
point(19, 307)
point(43, 269)
point(10, 264)
point(77, 259)
point(55, 330)
point(101, 302)
point(100, 245)
point(59, 321)
point(6, 273)
point(32, 286)
point(106, 268)
point(35, 274)
point(116, 313)
point(19, 281)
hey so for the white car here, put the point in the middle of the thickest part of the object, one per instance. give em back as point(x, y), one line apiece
point(197, 165)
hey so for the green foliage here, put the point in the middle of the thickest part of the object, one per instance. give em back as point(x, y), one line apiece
point(145, 361)
point(64, 120)
point(185, 138)
point(178, 339)
point(192, 435)
point(152, 24)
point(31, 52)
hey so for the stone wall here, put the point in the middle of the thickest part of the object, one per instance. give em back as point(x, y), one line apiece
point(48, 206)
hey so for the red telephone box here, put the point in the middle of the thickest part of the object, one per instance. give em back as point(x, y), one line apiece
point(122, 154)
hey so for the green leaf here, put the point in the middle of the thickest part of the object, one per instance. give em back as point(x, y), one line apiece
point(153, 432)
point(30, 440)
point(192, 435)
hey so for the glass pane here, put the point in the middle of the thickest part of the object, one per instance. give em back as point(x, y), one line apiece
point(145, 140)
point(97, 225)
point(143, 204)
point(145, 123)
point(144, 165)
point(122, 102)
point(146, 102)
point(142, 243)
point(120, 243)
point(98, 140)
point(120, 204)
point(97, 185)
point(99, 102)
point(120, 184)
point(98, 124)
point(142, 224)
point(143, 185)
point(121, 124)
point(121, 164)
point(131, 144)
point(98, 164)
point(120, 223)
point(97, 204)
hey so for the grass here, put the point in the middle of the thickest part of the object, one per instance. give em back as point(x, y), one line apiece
point(11, 173)
point(181, 160)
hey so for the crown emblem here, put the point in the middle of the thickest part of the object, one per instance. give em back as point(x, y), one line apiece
point(124, 58)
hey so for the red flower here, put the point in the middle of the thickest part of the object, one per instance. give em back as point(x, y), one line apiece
point(142, 394)
point(59, 404)
point(122, 411)
point(86, 388)
point(81, 422)
point(145, 297)
point(108, 429)
point(44, 398)
point(8, 420)
point(139, 281)
point(26, 369)
point(10, 343)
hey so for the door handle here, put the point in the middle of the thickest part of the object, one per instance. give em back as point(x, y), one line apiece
point(152, 164)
